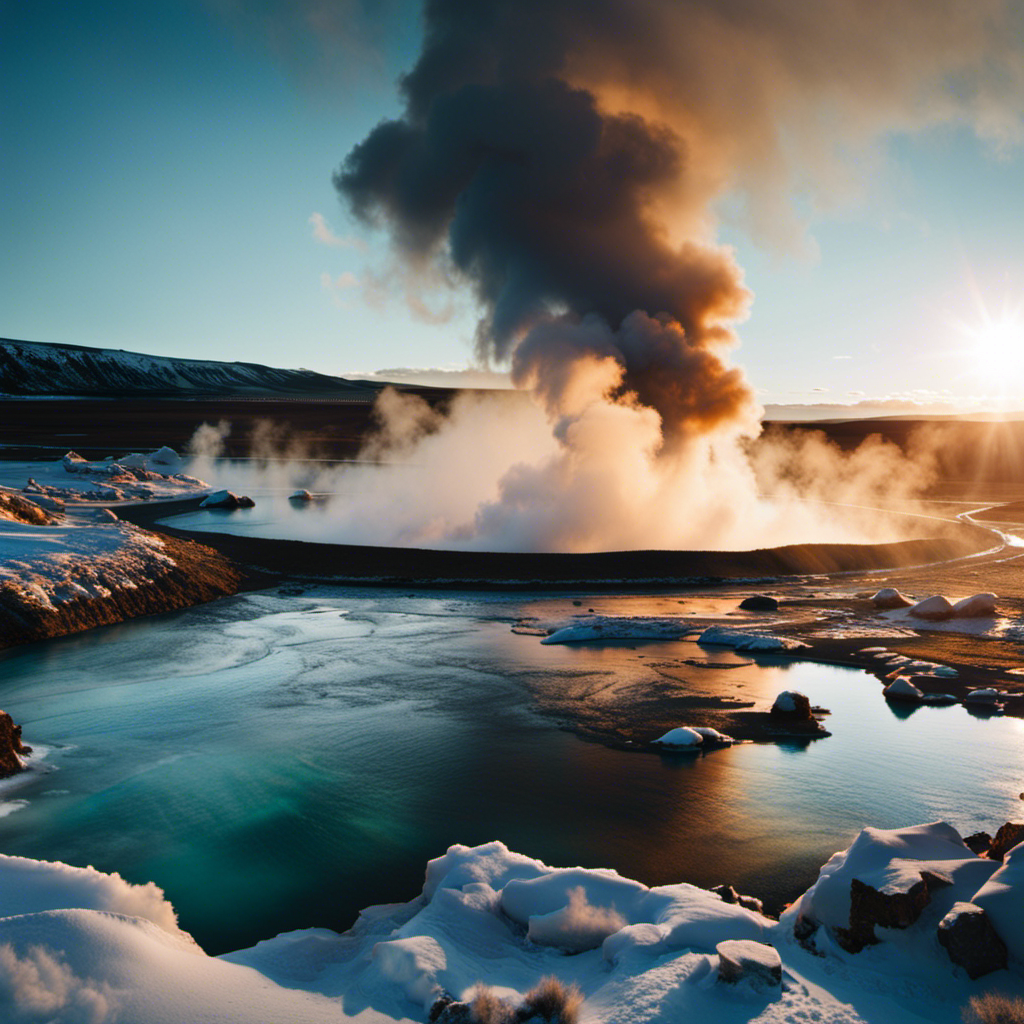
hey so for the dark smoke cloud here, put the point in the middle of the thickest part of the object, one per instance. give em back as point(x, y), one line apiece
point(561, 156)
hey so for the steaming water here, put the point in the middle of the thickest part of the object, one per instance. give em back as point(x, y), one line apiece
point(278, 762)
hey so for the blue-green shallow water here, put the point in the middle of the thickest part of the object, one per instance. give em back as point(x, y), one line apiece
point(273, 763)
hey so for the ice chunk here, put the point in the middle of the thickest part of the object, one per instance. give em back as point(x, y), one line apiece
point(746, 640)
point(903, 689)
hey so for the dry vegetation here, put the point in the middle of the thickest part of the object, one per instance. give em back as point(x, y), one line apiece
point(994, 1008)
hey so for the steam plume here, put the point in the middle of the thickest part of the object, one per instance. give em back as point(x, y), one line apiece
point(563, 158)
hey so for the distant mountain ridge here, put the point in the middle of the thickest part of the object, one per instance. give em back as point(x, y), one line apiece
point(36, 368)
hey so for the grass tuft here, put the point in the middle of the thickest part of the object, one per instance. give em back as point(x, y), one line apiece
point(994, 1008)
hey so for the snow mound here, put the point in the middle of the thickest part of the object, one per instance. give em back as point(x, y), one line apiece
point(746, 640)
point(937, 608)
point(976, 606)
point(681, 737)
point(890, 597)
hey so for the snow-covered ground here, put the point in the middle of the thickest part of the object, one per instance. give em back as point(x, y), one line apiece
point(80, 946)
point(150, 476)
point(83, 551)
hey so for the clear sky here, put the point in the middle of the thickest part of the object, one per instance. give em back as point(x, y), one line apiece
point(166, 188)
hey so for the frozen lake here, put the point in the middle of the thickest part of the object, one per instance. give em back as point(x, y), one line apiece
point(276, 762)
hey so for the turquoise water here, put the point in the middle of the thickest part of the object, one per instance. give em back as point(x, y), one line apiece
point(279, 762)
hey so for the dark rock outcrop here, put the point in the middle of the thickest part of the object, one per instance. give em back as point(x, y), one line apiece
point(10, 747)
point(967, 935)
point(759, 603)
point(979, 843)
point(730, 895)
point(870, 907)
point(1008, 836)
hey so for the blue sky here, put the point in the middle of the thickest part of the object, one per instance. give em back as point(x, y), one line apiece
point(161, 162)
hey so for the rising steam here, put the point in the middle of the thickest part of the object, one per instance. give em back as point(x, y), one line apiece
point(563, 160)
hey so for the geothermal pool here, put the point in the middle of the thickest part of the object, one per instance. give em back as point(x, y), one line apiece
point(276, 761)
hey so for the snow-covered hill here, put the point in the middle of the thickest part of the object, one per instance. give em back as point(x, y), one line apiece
point(30, 368)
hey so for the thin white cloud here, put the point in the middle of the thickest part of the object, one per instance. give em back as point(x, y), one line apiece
point(325, 235)
point(337, 286)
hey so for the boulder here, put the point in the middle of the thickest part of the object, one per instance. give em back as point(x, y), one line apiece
point(11, 747)
point(967, 935)
point(890, 597)
point(793, 706)
point(730, 895)
point(759, 603)
point(747, 960)
point(226, 500)
point(979, 842)
point(976, 606)
point(934, 608)
point(984, 695)
point(890, 909)
point(1008, 836)
point(300, 497)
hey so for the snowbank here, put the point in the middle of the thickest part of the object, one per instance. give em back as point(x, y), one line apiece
point(77, 945)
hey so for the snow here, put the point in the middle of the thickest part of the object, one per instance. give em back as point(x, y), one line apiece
point(1002, 898)
point(713, 736)
point(984, 695)
point(682, 736)
point(78, 945)
point(748, 640)
point(136, 477)
point(80, 557)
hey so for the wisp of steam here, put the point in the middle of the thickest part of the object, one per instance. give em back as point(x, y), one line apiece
point(563, 160)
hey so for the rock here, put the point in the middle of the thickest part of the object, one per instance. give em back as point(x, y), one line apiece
point(976, 606)
point(300, 497)
point(935, 608)
point(226, 500)
point(890, 597)
point(759, 603)
point(712, 737)
point(902, 689)
point(727, 892)
point(792, 705)
point(447, 1010)
point(985, 695)
point(979, 842)
point(870, 907)
point(11, 747)
point(967, 935)
point(730, 895)
point(1008, 836)
point(746, 960)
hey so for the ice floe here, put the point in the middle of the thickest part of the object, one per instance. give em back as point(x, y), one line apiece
point(748, 640)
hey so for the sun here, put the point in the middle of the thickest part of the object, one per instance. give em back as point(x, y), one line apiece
point(997, 349)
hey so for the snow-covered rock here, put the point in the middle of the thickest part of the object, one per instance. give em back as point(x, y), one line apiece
point(1002, 898)
point(792, 704)
point(300, 497)
point(712, 737)
point(619, 627)
point(226, 500)
point(967, 935)
point(682, 738)
point(886, 878)
point(890, 597)
point(936, 608)
point(740, 960)
point(982, 695)
point(976, 606)
point(903, 689)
